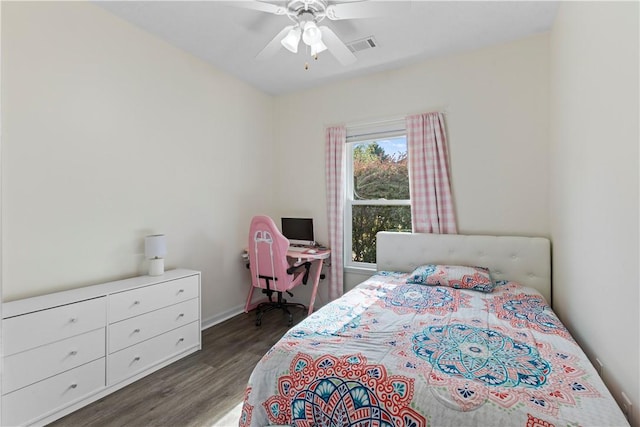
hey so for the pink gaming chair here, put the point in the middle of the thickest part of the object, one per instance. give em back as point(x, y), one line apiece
point(270, 269)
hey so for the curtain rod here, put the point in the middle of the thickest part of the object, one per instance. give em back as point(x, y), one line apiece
point(365, 123)
point(376, 122)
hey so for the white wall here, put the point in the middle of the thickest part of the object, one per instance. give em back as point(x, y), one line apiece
point(594, 191)
point(110, 134)
point(497, 102)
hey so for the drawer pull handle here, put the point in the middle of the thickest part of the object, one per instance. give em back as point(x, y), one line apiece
point(135, 331)
point(74, 385)
point(180, 315)
point(181, 291)
point(180, 340)
point(73, 320)
point(136, 359)
point(73, 352)
point(136, 302)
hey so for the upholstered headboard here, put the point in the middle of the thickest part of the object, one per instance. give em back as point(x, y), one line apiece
point(526, 260)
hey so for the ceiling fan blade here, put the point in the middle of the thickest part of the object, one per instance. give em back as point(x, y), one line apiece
point(259, 5)
point(336, 47)
point(363, 9)
point(274, 45)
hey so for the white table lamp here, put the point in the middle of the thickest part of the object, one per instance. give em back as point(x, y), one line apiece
point(155, 248)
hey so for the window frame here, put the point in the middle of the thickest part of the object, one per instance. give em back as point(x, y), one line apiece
point(391, 129)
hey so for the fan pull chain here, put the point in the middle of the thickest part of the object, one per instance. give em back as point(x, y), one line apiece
point(306, 64)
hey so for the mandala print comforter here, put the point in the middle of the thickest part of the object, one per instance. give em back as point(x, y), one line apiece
point(394, 354)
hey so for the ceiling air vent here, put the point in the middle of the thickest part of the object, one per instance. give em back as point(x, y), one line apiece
point(362, 44)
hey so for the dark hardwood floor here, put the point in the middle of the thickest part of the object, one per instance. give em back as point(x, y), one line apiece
point(197, 390)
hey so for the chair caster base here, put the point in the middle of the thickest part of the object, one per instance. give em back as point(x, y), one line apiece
point(266, 307)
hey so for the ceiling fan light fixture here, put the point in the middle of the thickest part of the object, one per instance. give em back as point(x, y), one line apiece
point(292, 39)
point(318, 47)
point(311, 34)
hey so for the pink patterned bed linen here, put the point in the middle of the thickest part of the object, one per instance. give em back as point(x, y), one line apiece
point(390, 353)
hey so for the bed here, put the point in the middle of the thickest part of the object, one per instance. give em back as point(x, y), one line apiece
point(392, 353)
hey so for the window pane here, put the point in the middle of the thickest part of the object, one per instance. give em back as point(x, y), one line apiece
point(367, 220)
point(380, 170)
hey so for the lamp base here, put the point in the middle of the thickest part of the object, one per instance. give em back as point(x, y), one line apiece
point(156, 267)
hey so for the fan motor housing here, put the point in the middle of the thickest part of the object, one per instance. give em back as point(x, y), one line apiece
point(297, 9)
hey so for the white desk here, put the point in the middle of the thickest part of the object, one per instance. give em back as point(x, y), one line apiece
point(300, 257)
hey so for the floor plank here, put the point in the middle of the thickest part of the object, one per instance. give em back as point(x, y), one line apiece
point(197, 390)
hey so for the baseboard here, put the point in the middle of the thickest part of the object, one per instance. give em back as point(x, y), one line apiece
point(221, 317)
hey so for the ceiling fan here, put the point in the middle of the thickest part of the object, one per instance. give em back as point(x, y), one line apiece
point(306, 15)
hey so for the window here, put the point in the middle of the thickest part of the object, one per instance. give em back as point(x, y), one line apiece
point(377, 190)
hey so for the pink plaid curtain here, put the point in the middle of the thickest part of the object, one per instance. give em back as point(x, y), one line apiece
point(336, 140)
point(431, 202)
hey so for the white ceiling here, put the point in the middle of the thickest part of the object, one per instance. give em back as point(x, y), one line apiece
point(230, 37)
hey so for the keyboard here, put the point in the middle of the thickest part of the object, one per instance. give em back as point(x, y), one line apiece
point(299, 248)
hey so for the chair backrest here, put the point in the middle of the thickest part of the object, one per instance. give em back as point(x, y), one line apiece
point(268, 255)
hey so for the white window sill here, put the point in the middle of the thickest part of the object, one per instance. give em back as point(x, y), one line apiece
point(360, 270)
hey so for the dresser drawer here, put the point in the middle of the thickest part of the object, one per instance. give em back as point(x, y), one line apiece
point(46, 326)
point(140, 328)
point(132, 360)
point(138, 301)
point(38, 399)
point(42, 362)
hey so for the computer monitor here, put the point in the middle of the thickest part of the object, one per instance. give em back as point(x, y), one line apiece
point(299, 231)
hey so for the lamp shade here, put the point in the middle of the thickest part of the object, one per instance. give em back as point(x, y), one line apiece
point(291, 40)
point(311, 34)
point(155, 246)
point(318, 47)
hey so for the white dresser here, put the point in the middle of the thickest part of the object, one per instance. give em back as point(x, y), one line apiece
point(65, 350)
